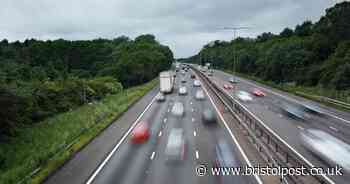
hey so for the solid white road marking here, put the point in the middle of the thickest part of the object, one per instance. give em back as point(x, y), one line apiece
point(282, 140)
point(232, 136)
point(93, 176)
point(333, 128)
point(160, 134)
point(194, 133)
point(153, 154)
point(197, 154)
point(293, 100)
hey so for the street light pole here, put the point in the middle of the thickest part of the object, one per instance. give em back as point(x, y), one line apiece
point(235, 29)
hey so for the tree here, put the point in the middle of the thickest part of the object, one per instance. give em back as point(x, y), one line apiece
point(265, 37)
point(11, 111)
point(287, 32)
point(335, 24)
point(305, 29)
point(341, 80)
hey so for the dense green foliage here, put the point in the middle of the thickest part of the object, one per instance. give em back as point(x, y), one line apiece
point(49, 144)
point(312, 54)
point(41, 78)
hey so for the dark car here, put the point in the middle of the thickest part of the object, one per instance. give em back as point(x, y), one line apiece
point(209, 116)
point(313, 108)
point(193, 76)
point(294, 111)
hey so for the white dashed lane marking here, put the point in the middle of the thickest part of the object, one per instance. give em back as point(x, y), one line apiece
point(333, 128)
point(153, 154)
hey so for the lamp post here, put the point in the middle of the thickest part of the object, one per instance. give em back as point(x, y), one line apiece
point(235, 29)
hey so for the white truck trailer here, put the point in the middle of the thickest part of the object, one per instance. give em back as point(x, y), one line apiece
point(166, 81)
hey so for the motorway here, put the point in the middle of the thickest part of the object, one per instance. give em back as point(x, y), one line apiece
point(113, 158)
point(268, 110)
point(146, 163)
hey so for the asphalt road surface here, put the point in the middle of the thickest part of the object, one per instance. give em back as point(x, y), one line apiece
point(147, 163)
point(334, 122)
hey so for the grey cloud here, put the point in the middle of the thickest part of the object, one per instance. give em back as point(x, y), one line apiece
point(185, 25)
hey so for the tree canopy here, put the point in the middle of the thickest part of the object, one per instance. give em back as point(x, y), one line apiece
point(311, 54)
point(39, 79)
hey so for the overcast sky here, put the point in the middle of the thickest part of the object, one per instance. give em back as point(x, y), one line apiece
point(184, 25)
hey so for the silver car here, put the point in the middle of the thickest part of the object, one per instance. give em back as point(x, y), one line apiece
point(175, 148)
point(329, 148)
point(196, 83)
point(178, 109)
point(244, 96)
point(182, 90)
point(200, 95)
point(232, 80)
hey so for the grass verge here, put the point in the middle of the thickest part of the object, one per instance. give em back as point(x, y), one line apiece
point(39, 150)
point(311, 93)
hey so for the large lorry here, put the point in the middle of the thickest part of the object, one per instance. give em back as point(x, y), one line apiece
point(166, 81)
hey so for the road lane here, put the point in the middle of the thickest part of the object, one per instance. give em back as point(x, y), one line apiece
point(147, 163)
point(80, 167)
point(267, 109)
point(130, 160)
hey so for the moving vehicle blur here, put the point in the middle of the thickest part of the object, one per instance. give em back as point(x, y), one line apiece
point(210, 72)
point(225, 158)
point(224, 155)
point(244, 96)
point(200, 95)
point(140, 133)
point(228, 86)
point(166, 82)
point(329, 148)
point(258, 92)
point(182, 90)
point(175, 148)
point(178, 109)
point(160, 97)
point(196, 83)
point(209, 116)
point(312, 108)
point(233, 80)
point(294, 111)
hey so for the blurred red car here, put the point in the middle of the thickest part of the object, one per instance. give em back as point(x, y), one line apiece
point(258, 92)
point(140, 133)
point(228, 86)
